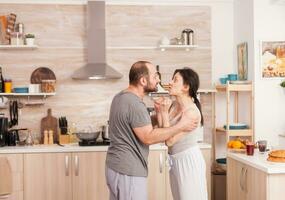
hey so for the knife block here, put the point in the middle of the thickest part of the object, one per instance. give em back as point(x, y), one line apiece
point(64, 139)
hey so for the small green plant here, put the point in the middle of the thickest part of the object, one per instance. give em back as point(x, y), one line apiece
point(30, 35)
point(282, 84)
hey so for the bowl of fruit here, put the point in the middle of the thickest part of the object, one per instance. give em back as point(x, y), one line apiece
point(237, 145)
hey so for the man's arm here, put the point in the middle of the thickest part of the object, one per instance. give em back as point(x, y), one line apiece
point(148, 135)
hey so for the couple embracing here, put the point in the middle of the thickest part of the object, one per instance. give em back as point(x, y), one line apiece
point(132, 130)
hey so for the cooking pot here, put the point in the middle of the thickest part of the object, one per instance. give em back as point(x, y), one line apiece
point(88, 135)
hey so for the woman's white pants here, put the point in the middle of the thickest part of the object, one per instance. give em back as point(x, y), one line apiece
point(188, 175)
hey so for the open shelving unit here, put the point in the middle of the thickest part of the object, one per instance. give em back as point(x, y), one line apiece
point(233, 90)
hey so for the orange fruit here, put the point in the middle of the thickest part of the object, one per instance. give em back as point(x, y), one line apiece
point(237, 144)
point(230, 143)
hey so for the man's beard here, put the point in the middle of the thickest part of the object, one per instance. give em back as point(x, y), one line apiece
point(148, 89)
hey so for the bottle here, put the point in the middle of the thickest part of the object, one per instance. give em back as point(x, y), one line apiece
point(159, 86)
point(1, 81)
point(46, 137)
point(50, 137)
point(29, 139)
point(158, 72)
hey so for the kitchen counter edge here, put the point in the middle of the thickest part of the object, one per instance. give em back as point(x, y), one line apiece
point(73, 148)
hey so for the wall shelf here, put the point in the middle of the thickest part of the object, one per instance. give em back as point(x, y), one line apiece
point(132, 47)
point(177, 47)
point(159, 47)
point(15, 47)
point(28, 94)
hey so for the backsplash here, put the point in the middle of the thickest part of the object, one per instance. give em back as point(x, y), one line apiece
point(61, 36)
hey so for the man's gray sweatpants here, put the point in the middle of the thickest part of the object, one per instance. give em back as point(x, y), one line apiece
point(124, 187)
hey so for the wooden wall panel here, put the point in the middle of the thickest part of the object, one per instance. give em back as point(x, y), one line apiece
point(61, 35)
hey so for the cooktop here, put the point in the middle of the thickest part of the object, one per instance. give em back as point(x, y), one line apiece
point(94, 143)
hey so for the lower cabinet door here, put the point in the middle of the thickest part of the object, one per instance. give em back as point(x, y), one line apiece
point(15, 175)
point(157, 175)
point(47, 176)
point(236, 180)
point(88, 171)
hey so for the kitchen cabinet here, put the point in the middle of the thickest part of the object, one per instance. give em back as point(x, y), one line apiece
point(48, 176)
point(81, 176)
point(65, 176)
point(88, 172)
point(157, 175)
point(16, 163)
point(245, 182)
point(207, 156)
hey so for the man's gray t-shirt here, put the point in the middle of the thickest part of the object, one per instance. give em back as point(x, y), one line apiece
point(126, 153)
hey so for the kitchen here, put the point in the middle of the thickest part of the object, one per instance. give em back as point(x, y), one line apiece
point(131, 35)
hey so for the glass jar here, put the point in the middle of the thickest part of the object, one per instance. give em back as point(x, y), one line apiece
point(48, 86)
point(8, 86)
point(16, 38)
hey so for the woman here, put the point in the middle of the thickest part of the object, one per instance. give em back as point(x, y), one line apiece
point(188, 169)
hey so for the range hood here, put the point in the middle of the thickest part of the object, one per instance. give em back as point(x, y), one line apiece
point(96, 67)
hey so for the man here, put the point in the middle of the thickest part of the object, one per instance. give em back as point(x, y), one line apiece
point(131, 133)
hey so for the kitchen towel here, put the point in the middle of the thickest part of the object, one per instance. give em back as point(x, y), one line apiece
point(6, 177)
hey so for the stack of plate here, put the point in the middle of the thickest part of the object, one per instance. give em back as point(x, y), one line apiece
point(236, 126)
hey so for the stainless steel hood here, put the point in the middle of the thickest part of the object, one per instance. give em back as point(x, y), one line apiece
point(96, 67)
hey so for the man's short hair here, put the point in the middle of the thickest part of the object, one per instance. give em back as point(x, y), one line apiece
point(138, 70)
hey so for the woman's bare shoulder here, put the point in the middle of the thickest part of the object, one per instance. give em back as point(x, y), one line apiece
point(194, 111)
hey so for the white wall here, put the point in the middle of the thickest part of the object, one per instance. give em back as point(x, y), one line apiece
point(270, 98)
point(257, 20)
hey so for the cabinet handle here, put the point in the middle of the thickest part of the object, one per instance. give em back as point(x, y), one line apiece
point(244, 179)
point(160, 162)
point(76, 161)
point(240, 179)
point(66, 165)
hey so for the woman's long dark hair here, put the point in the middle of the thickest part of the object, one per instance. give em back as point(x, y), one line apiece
point(191, 78)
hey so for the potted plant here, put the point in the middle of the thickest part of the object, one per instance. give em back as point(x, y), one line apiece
point(30, 39)
point(282, 84)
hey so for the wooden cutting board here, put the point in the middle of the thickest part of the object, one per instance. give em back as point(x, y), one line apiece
point(49, 123)
point(42, 73)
